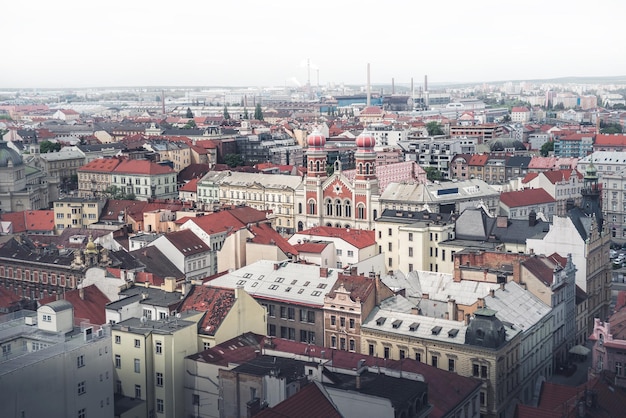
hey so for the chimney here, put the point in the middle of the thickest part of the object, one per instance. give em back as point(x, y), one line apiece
point(452, 309)
point(81, 293)
point(501, 286)
point(276, 265)
point(467, 319)
point(377, 289)
point(415, 310)
point(502, 222)
point(492, 293)
point(323, 271)
point(532, 218)
point(481, 303)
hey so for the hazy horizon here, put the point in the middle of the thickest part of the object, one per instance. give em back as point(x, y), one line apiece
point(56, 45)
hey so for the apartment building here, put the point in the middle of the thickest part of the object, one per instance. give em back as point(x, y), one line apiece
point(148, 361)
point(563, 185)
point(145, 180)
point(95, 177)
point(76, 212)
point(50, 367)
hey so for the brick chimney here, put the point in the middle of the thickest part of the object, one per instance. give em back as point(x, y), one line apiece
point(323, 271)
point(81, 293)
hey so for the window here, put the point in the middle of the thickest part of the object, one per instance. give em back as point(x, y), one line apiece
point(118, 339)
point(339, 251)
point(271, 330)
point(81, 387)
point(433, 361)
point(82, 413)
point(80, 361)
point(402, 354)
point(418, 357)
point(482, 399)
point(352, 345)
point(118, 386)
point(118, 361)
point(386, 352)
point(410, 251)
point(475, 370)
point(158, 347)
point(410, 236)
point(618, 368)
point(450, 364)
point(160, 407)
point(389, 246)
point(483, 371)
point(352, 323)
point(137, 343)
point(283, 312)
point(137, 365)
point(138, 391)
point(195, 399)
point(159, 379)
point(47, 318)
point(371, 349)
point(333, 320)
point(389, 231)
point(291, 314)
point(333, 341)
point(342, 321)
point(342, 343)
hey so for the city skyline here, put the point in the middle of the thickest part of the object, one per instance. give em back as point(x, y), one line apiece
point(246, 43)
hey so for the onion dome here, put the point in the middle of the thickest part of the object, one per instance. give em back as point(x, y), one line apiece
point(316, 140)
point(365, 140)
point(8, 156)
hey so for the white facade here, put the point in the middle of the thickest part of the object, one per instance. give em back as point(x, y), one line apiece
point(49, 374)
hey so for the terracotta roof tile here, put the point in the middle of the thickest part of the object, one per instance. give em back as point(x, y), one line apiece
point(356, 237)
point(525, 197)
point(215, 301)
point(91, 306)
point(265, 234)
point(142, 167)
point(101, 165)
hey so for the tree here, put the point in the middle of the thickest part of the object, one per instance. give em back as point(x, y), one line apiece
point(233, 160)
point(190, 125)
point(610, 128)
point(226, 114)
point(547, 148)
point(506, 118)
point(245, 113)
point(433, 174)
point(189, 114)
point(434, 128)
point(258, 112)
point(47, 146)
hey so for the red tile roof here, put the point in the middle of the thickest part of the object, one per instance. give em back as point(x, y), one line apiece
point(309, 402)
point(91, 306)
point(215, 301)
point(30, 220)
point(558, 259)
point(371, 111)
point(478, 160)
point(360, 287)
point(215, 223)
point(525, 197)
point(101, 165)
point(144, 167)
point(357, 237)
point(555, 176)
point(610, 140)
point(540, 270)
point(529, 177)
point(190, 186)
point(518, 109)
point(266, 235)
point(312, 247)
point(8, 299)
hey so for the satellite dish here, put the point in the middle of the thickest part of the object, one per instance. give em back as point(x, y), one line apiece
point(178, 315)
point(143, 320)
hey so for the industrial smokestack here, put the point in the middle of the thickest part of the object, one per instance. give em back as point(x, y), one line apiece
point(426, 83)
point(412, 89)
point(393, 86)
point(368, 85)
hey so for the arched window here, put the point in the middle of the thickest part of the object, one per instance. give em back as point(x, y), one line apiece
point(348, 208)
point(329, 224)
point(338, 207)
point(360, 211)
point(360, 168)
point(317, 166)
point(329, 207)
point(310, 165)
point(312, 209)
point(300, 226)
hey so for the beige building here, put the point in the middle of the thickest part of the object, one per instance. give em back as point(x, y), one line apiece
point(76, 213)
point(275, 192)
point(410, 240)
point(178, 152)
point(95, 177)
point(148, 361)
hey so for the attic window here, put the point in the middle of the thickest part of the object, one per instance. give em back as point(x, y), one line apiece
point(414, 326)
point(436, 330)
point(396, 323)
point(381, 320)
point(321, 286)
point(241, 282)
point(300, 291)
point(453, 332)
point(254, 284)
point(273, 287)
point(306, 283)
point(279, 280)
point(288, 289)
point(294, 282)
point(247, 275)
point(316, 293)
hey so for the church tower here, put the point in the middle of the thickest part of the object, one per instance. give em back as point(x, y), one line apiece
point(316, 174)
point(592, 204)
point(365, 180)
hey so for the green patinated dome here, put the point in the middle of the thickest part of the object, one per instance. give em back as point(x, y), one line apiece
point(8, 155)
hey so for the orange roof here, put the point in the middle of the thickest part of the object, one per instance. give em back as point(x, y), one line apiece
point(30, 220)
point(101, 165)
point(265, 234)
point(478, 159)
point(142, 167)
point(312, 247)
point(518, 109)
point(91, 306)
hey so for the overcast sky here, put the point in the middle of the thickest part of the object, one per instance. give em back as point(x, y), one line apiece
point(77, 43)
